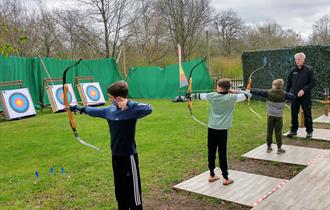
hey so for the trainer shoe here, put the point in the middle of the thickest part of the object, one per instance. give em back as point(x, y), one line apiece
point(269, 149)
point(291, 134)
point(280, 151)
point(227, 181)
point(309, 135)
point(213, 178)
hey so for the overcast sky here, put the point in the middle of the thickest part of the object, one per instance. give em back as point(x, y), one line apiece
point(299, 15)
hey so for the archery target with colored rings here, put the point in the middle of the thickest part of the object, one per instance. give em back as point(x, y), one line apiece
point(17, 103)
point(58, 95)
point(93, 93)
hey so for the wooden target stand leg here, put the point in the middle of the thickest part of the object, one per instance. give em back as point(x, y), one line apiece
point(45, 84)
point(326, 101)
point(77, 81)
point(10, 83)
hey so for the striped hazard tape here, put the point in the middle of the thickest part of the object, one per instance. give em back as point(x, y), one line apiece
point(280, 185)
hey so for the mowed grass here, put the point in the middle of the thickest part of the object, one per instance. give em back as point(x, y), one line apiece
point(171, 145)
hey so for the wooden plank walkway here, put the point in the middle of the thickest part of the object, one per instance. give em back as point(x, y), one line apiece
point(309, 190)
point(293, 155)
point(244, 190)
point(322, 119)
point(318, 134)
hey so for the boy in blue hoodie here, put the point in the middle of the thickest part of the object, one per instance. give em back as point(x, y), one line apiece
point(122, 116)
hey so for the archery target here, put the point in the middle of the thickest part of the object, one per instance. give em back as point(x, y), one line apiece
point(60, 95)
point(17, 103)
point(55, 95)
point(91, 93)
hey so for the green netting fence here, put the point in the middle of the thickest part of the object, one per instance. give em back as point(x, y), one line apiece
point(281, 61)
point(157, 82)
point(31, 72)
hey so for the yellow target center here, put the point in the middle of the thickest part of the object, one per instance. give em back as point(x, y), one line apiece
point(93, 93)
point(19, 102)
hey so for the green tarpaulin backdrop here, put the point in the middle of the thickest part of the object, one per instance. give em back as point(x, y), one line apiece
point(157, 82)
point(31, 72)
point(144, 82)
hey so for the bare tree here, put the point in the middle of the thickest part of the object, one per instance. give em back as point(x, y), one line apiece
point(79, 38)
point(268, 35)
point(321, 31)
point(114, 16)
point(148, 33)
point(228, 28)
point(184, 20)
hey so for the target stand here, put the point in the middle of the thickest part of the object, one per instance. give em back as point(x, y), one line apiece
point(90, 93)
point(16, 103)
point(55, 95)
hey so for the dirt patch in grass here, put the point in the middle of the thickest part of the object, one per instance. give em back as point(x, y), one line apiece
point(266, 168)
point(179, 200)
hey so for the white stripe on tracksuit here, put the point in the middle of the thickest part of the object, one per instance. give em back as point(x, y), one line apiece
point(135, 182)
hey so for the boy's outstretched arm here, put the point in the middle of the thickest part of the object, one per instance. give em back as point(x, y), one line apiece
point(242, 95)
point(92, 111)
point(260, 92)
point(290, 96)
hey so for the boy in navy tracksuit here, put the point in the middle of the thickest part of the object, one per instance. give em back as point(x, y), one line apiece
point(122, 116)
point(276, 98)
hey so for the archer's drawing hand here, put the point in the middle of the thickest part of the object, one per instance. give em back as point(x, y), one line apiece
point(122, 103)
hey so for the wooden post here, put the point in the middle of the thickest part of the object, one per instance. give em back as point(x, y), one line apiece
point(124, 59)
point(326, 101)
point(208, 51)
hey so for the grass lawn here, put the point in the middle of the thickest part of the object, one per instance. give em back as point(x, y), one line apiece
point(170, 145)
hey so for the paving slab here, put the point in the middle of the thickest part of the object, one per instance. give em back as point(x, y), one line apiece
point(244, 190)
point(318, 134)
point(294, 154)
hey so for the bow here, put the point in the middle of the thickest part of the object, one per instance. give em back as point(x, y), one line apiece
point(249, 86)
point(189, 90)
point(67, 105)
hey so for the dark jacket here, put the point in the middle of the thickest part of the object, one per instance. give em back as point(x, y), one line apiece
point(301, 79)
point(122, 125)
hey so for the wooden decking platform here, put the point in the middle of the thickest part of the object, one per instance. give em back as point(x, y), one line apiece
point(309, 190)
point(318, 134)
point(293, 155)
point(244, 190)
point(323, 119)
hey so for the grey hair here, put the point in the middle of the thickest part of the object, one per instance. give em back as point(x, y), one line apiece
point(301, 55)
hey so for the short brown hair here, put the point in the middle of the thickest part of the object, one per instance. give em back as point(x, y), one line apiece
point(224, 83)
point(278, 83)
point(119, 88)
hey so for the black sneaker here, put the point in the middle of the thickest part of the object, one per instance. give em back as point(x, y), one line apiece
point(309, 135)
point(280, 151)
point(291, 134)
point(269, 149)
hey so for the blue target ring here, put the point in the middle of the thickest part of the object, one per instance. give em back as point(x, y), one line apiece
point(93, 93)
point(19, 102)
point(60, 95)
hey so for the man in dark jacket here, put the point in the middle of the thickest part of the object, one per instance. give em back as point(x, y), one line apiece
point(300, 83)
